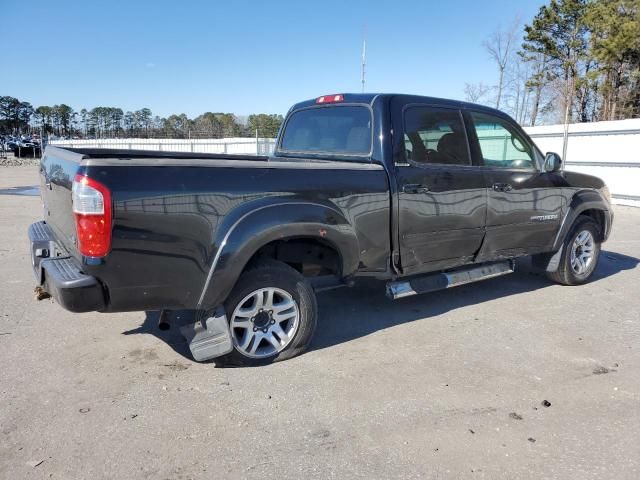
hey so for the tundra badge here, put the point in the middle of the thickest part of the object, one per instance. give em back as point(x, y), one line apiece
point(543, 218)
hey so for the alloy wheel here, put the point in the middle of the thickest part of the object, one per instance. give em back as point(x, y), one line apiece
point(264, 322)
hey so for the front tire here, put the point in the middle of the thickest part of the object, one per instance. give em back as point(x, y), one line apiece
point(580, 254)
point(272, 315)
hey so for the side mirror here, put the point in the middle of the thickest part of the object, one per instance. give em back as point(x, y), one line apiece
point(552, 162)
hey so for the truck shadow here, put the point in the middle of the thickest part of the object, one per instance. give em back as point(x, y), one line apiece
point(350, 313)
point(365, 309)
point(172, 336)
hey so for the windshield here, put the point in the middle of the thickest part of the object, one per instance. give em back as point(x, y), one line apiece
point(334, 130)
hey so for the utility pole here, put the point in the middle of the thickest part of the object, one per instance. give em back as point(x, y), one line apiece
point(567, 118)
point(364, 62)
point(257, 143)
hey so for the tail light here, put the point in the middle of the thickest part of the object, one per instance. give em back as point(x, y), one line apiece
point(92, 211)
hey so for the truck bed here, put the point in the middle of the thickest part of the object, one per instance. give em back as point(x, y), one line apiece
point(171, 211)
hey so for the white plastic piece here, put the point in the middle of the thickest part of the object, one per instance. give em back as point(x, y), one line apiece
point(208, 338)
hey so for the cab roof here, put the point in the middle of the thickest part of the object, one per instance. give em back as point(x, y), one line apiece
point(369, 98)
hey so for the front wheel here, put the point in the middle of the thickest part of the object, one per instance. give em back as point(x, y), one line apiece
point(272, 315)
point(580, 253)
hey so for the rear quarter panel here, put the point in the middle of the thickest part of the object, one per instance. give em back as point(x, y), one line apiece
point(169, 222)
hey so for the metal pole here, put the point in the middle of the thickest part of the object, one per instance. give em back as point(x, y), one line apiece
point(565, 138)
point(257, 146)
point(504, 148)
point(567, 114)
point(364, 62)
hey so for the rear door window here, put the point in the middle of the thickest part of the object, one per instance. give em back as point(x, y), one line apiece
point(334, 130)
point(435, 136)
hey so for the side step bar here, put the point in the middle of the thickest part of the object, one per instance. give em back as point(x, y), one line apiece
point(440, 281)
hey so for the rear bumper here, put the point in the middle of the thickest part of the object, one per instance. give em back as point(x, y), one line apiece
point(60, 274)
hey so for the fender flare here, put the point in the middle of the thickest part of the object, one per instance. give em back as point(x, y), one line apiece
point(244, 232)
point(580, 202)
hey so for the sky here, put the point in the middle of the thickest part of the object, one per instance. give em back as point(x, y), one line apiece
point(240, 56)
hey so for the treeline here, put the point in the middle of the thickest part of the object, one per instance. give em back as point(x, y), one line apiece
point(14, 115)
point(576, 61)
point(17, 117)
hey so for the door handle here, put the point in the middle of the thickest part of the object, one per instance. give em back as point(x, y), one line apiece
point(502, 187)
point(415, 188)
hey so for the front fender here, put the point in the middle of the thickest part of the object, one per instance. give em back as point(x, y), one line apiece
point(238, 241)
point(582, 201)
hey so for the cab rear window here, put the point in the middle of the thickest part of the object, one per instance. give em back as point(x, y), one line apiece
point(334, 130)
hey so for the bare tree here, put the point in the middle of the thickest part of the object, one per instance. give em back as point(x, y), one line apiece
point(500, 47)
point(475, 92)
point(518, 91)
point(538, 81)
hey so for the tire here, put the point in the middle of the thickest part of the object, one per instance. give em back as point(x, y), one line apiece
point(569, 271)
point(272, 314)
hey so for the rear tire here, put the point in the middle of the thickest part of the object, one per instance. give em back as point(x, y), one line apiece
point(580, 253)
point(272, 314)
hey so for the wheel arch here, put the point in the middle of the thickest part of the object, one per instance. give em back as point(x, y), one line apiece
point(588, 203)
point(271, 227)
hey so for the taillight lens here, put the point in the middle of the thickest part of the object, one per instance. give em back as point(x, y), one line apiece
point(92, 211)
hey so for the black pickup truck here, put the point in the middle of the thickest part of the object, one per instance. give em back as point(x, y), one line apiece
point(421, 192)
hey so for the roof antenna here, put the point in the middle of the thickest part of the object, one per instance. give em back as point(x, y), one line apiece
point(364, 59)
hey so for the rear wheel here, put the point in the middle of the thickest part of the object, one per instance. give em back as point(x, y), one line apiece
point(272, 315)
point(580, 253)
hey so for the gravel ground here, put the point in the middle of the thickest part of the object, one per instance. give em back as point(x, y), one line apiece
point(510, 378)
point(8, 159)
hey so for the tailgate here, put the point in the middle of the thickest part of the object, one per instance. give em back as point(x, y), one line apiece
point(57, 171)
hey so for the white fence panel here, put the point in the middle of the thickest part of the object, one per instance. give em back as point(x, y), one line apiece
point(609, 150)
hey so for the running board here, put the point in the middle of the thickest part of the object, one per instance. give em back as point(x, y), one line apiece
point(440, 281)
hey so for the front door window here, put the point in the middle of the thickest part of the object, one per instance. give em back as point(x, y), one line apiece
point(501, 144)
